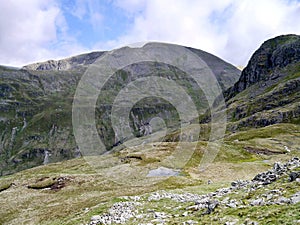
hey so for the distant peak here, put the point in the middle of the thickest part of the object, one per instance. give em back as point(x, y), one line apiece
point(70, 63)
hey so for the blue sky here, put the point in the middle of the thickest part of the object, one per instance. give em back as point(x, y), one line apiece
point(99, 21)
point(37, 30)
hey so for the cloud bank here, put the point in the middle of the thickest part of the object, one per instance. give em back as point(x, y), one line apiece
point(33, 30)
point(230, 29)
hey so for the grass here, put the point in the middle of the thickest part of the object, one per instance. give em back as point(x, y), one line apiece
point(43, 183)
point(268, 214)
point(265, 132)
point(96, 183)
point(4, 185)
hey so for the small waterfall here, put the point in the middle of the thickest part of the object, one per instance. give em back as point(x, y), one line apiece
point(135, 121)
point(46, 157)
point(24, 124)
point(13, 137)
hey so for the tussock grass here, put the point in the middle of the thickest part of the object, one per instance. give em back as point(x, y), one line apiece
point(92, 189)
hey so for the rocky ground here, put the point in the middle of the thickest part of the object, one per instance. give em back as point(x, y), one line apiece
point(266, 189)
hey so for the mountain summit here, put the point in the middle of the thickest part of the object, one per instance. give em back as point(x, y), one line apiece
point(36, 104)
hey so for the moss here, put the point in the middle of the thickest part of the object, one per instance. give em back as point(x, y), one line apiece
point(44, 183)
point(178, 182)
point(4, 185)
point(148, 160)
point(265, 132)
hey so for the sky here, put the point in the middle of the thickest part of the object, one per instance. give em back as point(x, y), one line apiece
point(38, 30)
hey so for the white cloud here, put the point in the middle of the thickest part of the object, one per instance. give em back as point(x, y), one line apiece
point(80, 9)
point(231, 29)
point(89, 10)
point(253, 22)
point(29, 32)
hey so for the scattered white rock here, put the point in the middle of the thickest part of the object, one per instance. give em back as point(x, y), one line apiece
point(121, 212)
point(283, 200)
point(95, 218)
point(186, 213)
point(256, 202)
point(295, 198)
point(287, 149)
point(190, 222)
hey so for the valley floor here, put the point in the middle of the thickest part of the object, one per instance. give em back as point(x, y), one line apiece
point(78, 190)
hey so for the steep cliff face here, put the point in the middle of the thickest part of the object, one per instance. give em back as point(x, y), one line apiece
point(35, 117)
point(268, 90)
point(273, 55)
point(36, 106)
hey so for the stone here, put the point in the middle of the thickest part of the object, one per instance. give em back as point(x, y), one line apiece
point(226, 200)
point(211, 206)
point(283, 200)
point(256, 202)
point(160, 215)
point(293, 176)
point(230, 223)
point(139, 216)
point(250, 222)
point(234, 183)
point(193, 207)
point(277, 166)
point(190, 222)
point(185, 214)
point(158, 221)
point(96, 218)
point(295, 198)
point(232, 205)
point(122, 211)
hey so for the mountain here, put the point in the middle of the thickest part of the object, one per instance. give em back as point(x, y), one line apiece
point(36, 104)
point(254, 178)
point(268, 91)
point(72, 63)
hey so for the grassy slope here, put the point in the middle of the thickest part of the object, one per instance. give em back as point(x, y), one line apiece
point(96, 190)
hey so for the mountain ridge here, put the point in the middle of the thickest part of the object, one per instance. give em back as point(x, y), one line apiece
point(69, 63)
point(267, 91)
point(40, 96)
point(263, 130)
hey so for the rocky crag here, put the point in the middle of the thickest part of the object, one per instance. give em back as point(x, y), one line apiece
point(268, 90)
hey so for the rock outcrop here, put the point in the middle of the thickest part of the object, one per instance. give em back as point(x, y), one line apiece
point(72, 63)
point(268, 89)
point(273, 55)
